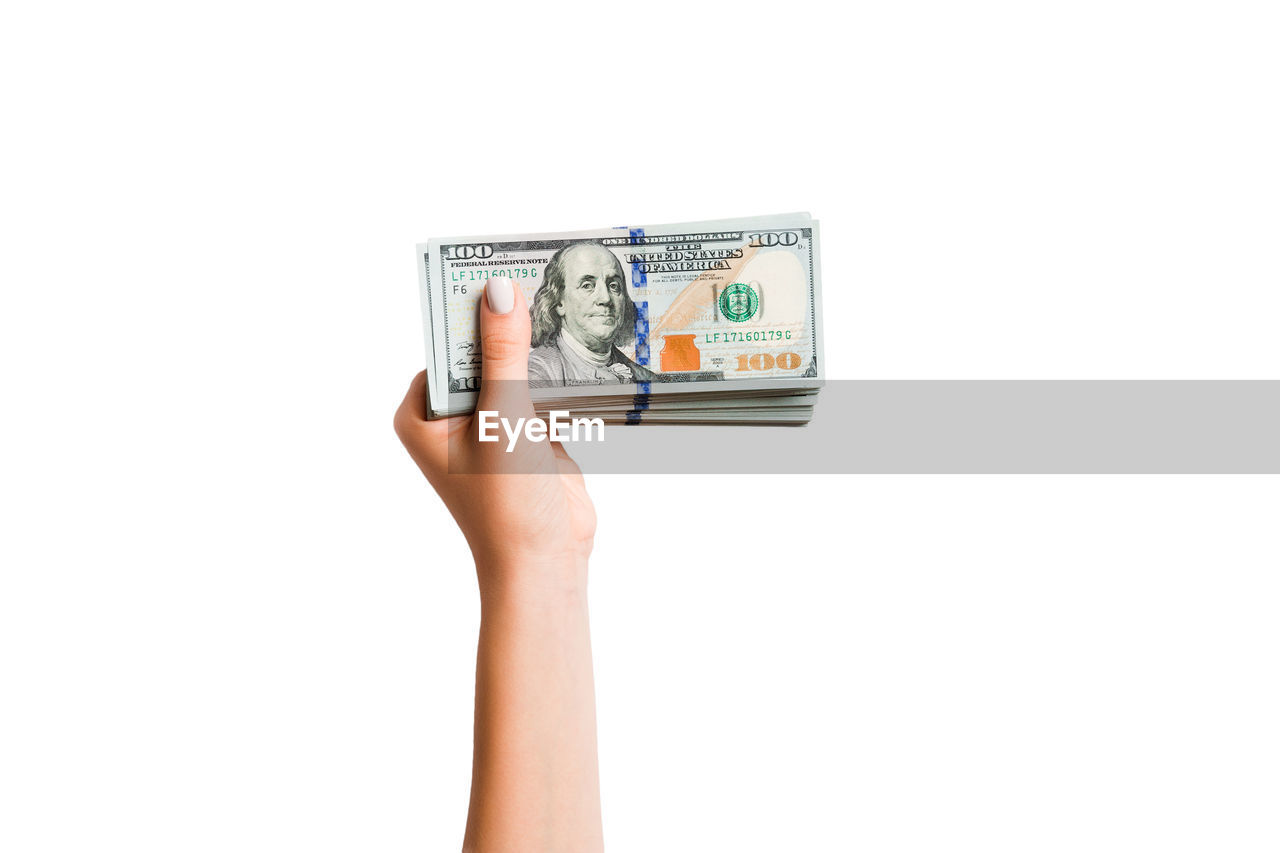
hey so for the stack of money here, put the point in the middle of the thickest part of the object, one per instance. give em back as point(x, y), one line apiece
point(715, 322)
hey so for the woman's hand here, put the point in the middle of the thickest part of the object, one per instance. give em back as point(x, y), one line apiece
point(535, 785)
point(525, 513)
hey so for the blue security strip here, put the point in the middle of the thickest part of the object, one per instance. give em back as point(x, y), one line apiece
point(642, 337)
point(639, 281)
point(641, 403)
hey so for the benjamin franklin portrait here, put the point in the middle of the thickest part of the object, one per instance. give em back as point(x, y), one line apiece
point(579, 316)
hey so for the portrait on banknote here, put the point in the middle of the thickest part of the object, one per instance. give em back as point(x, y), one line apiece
point(580, 315)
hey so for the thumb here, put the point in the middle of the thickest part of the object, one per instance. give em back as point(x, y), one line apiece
point(504, 345)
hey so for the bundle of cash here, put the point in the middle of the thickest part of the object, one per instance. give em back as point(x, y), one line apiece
point(715, 322)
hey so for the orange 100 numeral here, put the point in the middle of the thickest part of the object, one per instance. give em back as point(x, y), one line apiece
point(765, 361)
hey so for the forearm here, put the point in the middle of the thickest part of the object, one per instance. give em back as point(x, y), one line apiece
point(535, 779)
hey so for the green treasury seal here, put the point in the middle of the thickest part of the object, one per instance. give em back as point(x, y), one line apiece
point(739, 302)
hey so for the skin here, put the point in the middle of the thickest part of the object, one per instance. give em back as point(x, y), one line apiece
point(593, 302)
point(530, 524)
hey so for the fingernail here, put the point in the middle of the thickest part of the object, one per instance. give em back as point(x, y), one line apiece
point(502, 295)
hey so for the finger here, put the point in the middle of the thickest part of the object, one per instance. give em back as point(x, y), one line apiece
point(414, 405)
point(504, 345)
point(424, 439)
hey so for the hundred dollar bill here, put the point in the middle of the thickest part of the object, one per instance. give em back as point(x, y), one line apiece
point(688, 311)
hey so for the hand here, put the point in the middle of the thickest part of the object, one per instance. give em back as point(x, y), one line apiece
point(535, 782)
point(525, 513)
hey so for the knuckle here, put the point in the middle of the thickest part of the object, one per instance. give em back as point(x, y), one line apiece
point(500, 346)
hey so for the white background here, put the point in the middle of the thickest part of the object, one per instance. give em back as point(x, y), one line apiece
point(233, 617)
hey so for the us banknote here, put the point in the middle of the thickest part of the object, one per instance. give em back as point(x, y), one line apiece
point(683, 317)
